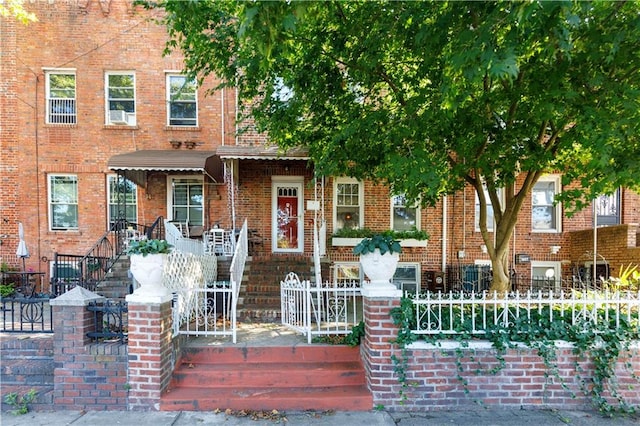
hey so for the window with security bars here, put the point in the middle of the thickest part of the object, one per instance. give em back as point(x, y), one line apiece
point(61, 97)
point(182, 101)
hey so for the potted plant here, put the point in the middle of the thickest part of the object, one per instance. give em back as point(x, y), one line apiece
point(379, 255)
point(147, 264)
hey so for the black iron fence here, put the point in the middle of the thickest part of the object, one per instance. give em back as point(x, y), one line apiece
point(26, 315)
point(110, 319)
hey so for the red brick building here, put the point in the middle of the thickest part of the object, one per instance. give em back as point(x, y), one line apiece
point(87, 94)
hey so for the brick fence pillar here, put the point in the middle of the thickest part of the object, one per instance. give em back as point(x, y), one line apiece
point(377, 348)
point(150, 350)
point(87, 376)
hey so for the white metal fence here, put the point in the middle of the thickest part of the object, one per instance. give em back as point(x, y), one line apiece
point(316, 310)
point(445, 313)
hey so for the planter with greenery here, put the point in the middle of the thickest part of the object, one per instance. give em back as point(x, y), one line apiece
point(147, 264)
point(351, 237)
point(379, 255)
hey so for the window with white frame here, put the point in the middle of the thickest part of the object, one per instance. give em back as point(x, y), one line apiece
point(490, 216)
point(120, 98)
point(545, 217)
point(348, 198)
point(61, 97)
point(404, 217)
point(187, 200)
point(545, 276)
point(346, 273)
point(182, 101)
point(407, 277)
point(123, 199)
point(63, 202)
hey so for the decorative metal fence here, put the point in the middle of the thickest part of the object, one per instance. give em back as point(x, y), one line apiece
point(26, 315)
point(315, 310)
point(446, 313)
point(110, 319)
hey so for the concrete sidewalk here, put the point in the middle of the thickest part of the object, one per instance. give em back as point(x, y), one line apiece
point(462, 417)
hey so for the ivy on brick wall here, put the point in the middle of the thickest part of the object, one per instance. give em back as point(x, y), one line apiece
point(603, 345)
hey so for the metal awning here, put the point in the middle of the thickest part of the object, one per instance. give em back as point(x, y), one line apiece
point(261, 153)
point(136, 164)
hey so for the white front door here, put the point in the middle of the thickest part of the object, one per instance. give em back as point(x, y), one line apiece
point(287, 215)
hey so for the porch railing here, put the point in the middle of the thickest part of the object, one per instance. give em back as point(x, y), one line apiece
point(26, 315)
point(445, 313)
point(236, 274)
point(320, 309)
point(179, 242)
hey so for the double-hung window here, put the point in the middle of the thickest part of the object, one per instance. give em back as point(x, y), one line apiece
point(182, 101)
point(348, 206)
point(187, 200)
point(404, 217)
point(490, 215)
point(120, 98)
point(63, 202)
point(61, 97)
point(545, 216)
point(123, 200)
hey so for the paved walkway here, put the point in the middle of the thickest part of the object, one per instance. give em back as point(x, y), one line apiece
point(462, 417)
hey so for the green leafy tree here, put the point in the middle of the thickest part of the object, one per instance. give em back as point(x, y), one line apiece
point(428, 97)
point(15, 9)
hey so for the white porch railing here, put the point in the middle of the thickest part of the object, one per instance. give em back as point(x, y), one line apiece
point(442, 313)
point(185, 245)
point(236, 274)
point(325, 309)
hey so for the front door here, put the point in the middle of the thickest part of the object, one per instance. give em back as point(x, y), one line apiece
point(287, 219)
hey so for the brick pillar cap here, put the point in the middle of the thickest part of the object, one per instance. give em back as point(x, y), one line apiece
point(78, 296)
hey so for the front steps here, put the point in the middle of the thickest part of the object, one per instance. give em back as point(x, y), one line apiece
point(314, 377)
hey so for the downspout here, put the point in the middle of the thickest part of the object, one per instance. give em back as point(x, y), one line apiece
point(444, 232)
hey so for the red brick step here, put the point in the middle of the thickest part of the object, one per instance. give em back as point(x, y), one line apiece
point(318, 377)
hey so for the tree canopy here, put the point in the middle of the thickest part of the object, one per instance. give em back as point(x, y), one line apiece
point(430, 96)
point(15, 9)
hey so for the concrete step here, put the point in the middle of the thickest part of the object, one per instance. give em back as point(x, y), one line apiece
point(318, 377)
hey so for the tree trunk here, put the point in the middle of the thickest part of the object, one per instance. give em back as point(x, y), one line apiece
point(501, 282)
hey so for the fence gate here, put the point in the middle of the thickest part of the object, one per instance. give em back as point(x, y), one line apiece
point(326, 309)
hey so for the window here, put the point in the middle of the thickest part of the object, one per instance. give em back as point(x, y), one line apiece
point(544, 215)
point(182, 101)
point(120, 98)
point(608, 209)
point(490, 216)
point(348, 204)
point(61, 97)
point(545, 276)
point(187, 200)
point(63, 202)
point(407, 277)
point(403, 217)
point(123, 199)
point(346, 273)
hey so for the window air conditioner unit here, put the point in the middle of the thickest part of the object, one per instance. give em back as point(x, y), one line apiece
point(118, 117)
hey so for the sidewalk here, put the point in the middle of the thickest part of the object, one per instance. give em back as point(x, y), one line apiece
point(462, 417)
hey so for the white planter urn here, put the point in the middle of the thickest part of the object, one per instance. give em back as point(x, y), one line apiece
point(379, 268)
point(148, 271)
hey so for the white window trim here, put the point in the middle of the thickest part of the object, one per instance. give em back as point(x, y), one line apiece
point(336, 265)
point(168, 100)
point(48, 72)
point(130, 116)
point(341, 180)
point(476, 220)
point(50, 201)
point(109, 178)
point(418, 269)
point(170, 179)
point(557, 208)
point(557, 267)
point(418, 214)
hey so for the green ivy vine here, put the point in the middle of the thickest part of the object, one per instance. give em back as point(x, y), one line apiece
point(602, 344)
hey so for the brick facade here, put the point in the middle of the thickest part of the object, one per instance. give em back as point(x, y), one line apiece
point(93, 37)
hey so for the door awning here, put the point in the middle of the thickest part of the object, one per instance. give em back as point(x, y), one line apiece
point(261, 153)
point(136, 164)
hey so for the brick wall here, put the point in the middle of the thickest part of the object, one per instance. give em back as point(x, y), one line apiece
point(26, 362)
point(435, 376)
